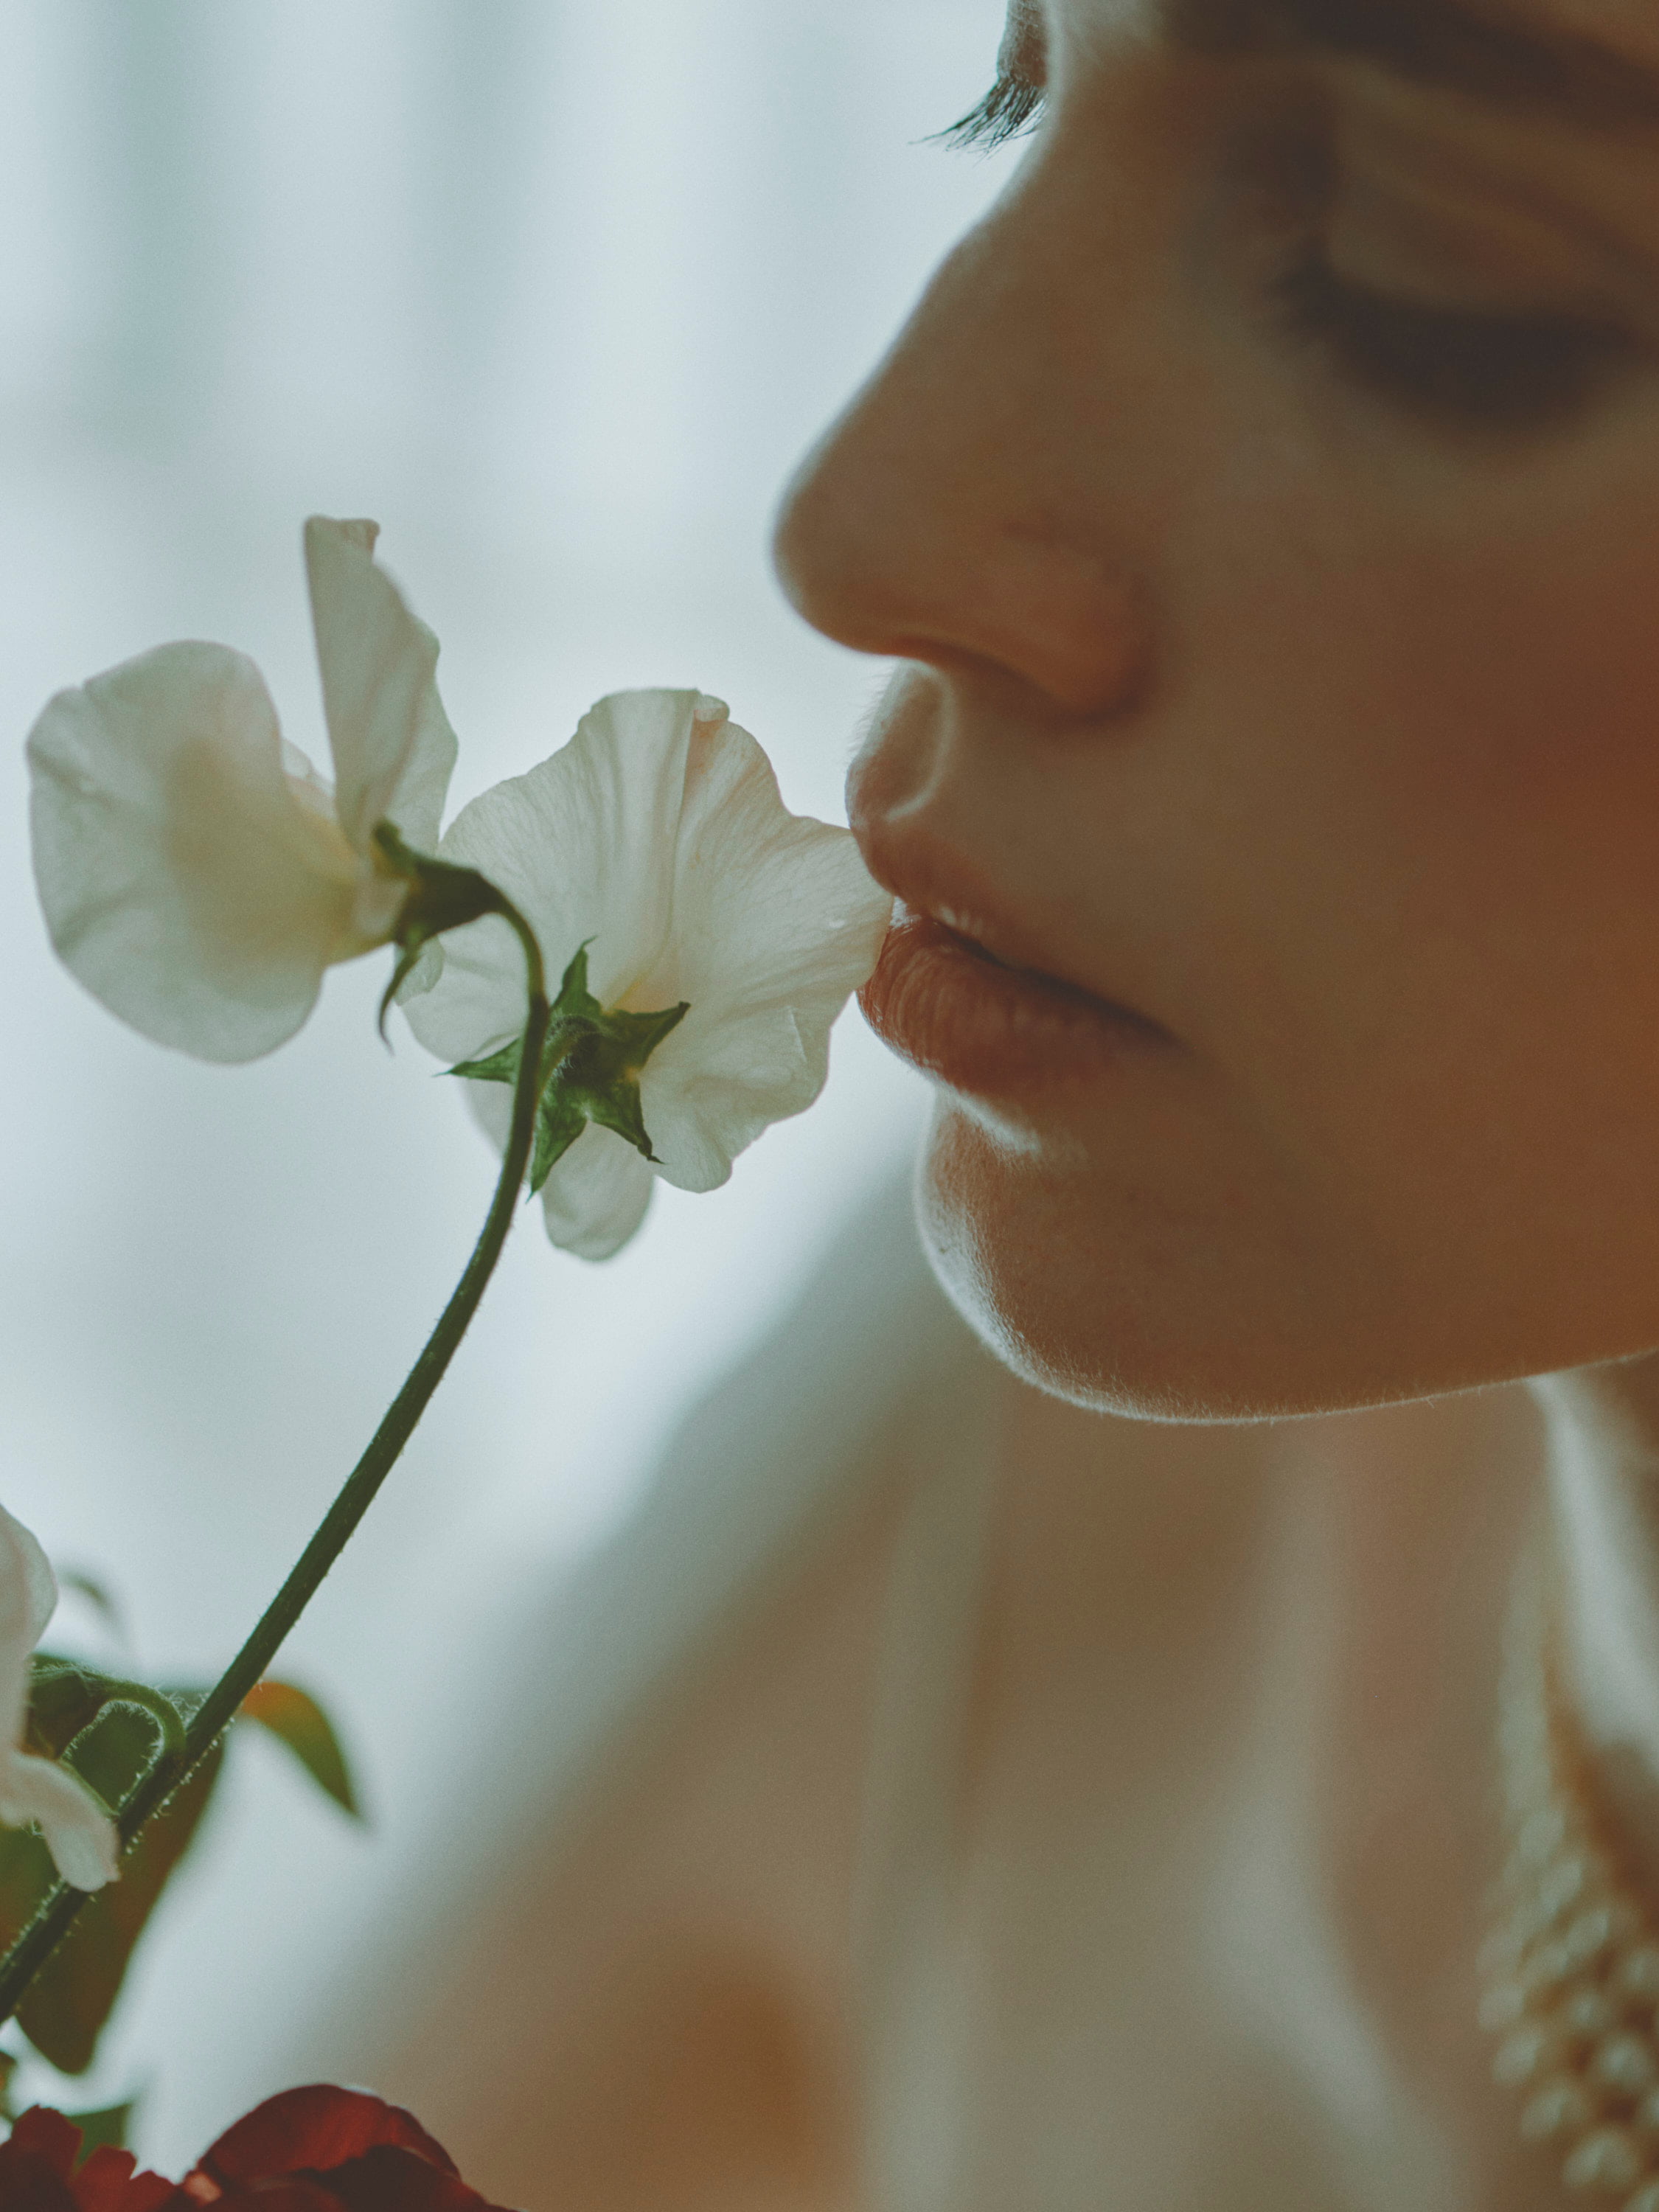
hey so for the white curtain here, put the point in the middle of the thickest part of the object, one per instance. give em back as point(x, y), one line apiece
point(557, 290)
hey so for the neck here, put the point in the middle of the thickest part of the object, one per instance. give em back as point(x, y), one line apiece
point(1602, 1427)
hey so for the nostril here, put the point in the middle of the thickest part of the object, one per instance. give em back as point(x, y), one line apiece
point(1062, 624)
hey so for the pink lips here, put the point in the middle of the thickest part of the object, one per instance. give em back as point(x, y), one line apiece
point(940, 1000)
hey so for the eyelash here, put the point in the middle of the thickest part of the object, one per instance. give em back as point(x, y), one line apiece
point(1009, 110)
point(1458, 370)
point(1497, 374)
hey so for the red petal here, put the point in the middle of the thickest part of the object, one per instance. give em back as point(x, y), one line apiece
point(46, 2134)
point(392, 2181)
point(32, 2178)
point(290, 2196)
point(106, 2183)
point(312, 2130)
point(27, 2186)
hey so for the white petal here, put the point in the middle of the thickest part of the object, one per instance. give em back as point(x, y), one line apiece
point(776, 922)
point(584, 846)
point(596, 1196)
point(394, 750)
point(79, 1833)
point(25, 1574)
point(183, 881)
point(28, 1594)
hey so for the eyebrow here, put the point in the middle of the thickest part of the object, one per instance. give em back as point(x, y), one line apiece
point(1497, 56)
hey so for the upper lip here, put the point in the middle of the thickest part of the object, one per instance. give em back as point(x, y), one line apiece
point(933, 879)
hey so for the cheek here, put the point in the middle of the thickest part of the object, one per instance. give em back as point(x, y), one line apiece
point(1448, 1019)
point(1494, 790)
point(1405, 861)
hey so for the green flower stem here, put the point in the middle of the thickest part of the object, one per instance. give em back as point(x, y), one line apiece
point(56, 1915)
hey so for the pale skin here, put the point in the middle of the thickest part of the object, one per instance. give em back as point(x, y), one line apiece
point(1263, 507)
point(1288, 673)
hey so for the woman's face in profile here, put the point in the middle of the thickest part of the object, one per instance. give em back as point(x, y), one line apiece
point(1263, 504)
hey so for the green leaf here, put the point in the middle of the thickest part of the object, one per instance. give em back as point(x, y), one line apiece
point(107, 2129)
point(591, 1068)
point(115, 1750)
point(64, 1696)
point(95, 1723)
point(110, 1731)
point(300, 1721)
point(66, 2007)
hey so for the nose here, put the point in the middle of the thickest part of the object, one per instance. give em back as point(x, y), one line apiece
point(939, 521)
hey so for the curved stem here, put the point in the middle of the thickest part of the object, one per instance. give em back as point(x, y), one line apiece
point(57, 1912)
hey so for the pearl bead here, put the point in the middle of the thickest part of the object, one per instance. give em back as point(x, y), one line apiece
point(1589, 1934)
point(1624, 2063)
point(1548, 1965)
point(1525, 2054)
point(1502, 2007)
point(1501, 1953)
point(1646, 2198)
point(1637, 1974)
point(1586, 2014)
point(1563, 1885)
point(1646, 2115)
point(1561, 2107)
point(1609, 2159)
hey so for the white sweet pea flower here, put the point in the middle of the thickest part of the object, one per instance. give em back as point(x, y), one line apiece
point(197, 874)
point(657, 838)
point(79, 1833)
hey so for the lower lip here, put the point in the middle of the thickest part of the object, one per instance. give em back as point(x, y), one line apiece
point(992, 1031)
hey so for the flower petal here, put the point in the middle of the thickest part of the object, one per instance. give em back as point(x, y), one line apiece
point(78, 1832)
point(596, 1196)
point(313, 2129)
point(28, 1596)
point(583, 845)
point(184, 882)
point(29, 1588)
point(394, 750)
point(776, 922)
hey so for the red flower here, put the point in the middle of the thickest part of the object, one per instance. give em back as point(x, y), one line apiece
point(319, 2149)
point(37, 2172)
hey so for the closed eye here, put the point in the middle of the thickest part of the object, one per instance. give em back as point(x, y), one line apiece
point(1484, 372)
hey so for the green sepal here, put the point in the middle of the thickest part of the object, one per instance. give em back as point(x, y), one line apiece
point(440, 896)
point(591, 1067)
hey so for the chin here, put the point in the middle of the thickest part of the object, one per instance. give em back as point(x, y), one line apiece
point(1096, 1294)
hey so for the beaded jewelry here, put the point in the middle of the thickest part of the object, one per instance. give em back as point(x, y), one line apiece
point(1571, 1972)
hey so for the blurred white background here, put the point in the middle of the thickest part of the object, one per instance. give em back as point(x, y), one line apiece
point(558, 290)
